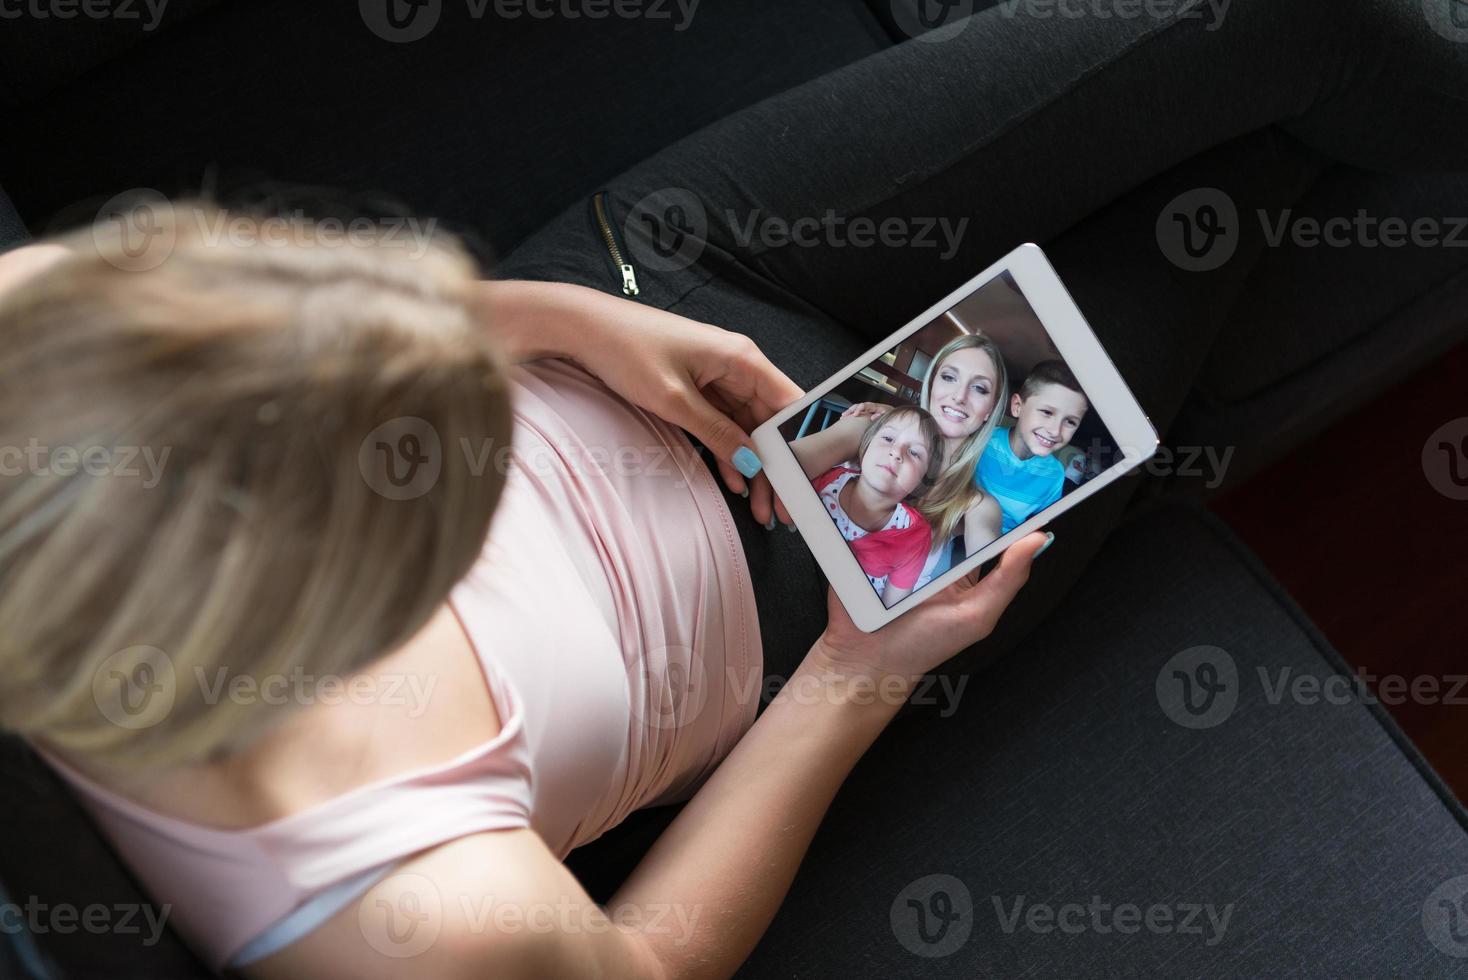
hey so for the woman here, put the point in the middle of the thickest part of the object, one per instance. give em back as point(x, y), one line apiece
point(590, 655)
point(266, 552)
point(962, 388)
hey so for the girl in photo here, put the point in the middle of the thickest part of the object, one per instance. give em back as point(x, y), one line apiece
point(900, 458)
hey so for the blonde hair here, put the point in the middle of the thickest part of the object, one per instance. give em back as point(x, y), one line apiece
point(264, 546)
point(931, 435)
point(958, 489)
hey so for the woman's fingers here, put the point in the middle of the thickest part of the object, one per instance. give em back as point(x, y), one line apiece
point(725, 438)
point(781, 512)
point(733, 479)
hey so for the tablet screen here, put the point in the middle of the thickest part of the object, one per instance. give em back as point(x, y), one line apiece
point(966, 429)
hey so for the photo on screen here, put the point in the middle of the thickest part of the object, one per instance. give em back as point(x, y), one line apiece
point(969, 427)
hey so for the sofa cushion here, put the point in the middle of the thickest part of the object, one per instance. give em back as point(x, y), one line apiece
point(489, 123)
point(44, 45)
point(1072, 774)
point(1280, 371)
point(1278, 833)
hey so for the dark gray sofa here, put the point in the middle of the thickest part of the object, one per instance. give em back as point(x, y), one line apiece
point(1318, 825)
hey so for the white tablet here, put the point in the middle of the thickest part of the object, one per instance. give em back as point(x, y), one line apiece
point(978, 422)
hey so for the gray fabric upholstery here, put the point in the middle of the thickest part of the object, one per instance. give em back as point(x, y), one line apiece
point(1280, 371)
point(12, 230)
point(1061, 778)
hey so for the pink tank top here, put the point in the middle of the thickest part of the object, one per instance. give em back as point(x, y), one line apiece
point(612, 613)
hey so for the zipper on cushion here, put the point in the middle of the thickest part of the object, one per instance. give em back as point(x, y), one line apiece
point(604, 222)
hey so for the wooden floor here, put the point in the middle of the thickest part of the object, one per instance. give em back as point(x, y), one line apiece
point(1355, 527)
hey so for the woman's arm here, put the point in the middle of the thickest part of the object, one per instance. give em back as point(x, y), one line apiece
point(501, 905)
point(833, 445)
point(982, 524)
point(713, 383)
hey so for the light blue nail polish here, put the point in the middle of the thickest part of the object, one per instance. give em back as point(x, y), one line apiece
point(790, 528)
point(744, 493)
point(746, 462)
point(771, 526)
point(1049, 540)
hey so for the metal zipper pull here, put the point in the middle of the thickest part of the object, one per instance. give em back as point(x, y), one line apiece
point(629, 281)
point(629, 275)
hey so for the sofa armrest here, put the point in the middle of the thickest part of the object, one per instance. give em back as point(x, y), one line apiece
point(13, 232)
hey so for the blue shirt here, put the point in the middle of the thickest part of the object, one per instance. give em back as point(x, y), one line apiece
point(1022, 487)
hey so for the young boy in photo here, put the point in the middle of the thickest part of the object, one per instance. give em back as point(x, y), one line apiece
point(1018, 467)
point(901, 456)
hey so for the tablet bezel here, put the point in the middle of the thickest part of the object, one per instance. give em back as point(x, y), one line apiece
point(1082, 352)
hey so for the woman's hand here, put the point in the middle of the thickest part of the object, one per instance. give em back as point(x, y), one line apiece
point(711, 382)
point(919, 641)
point(714, 383)
point(866, 410)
